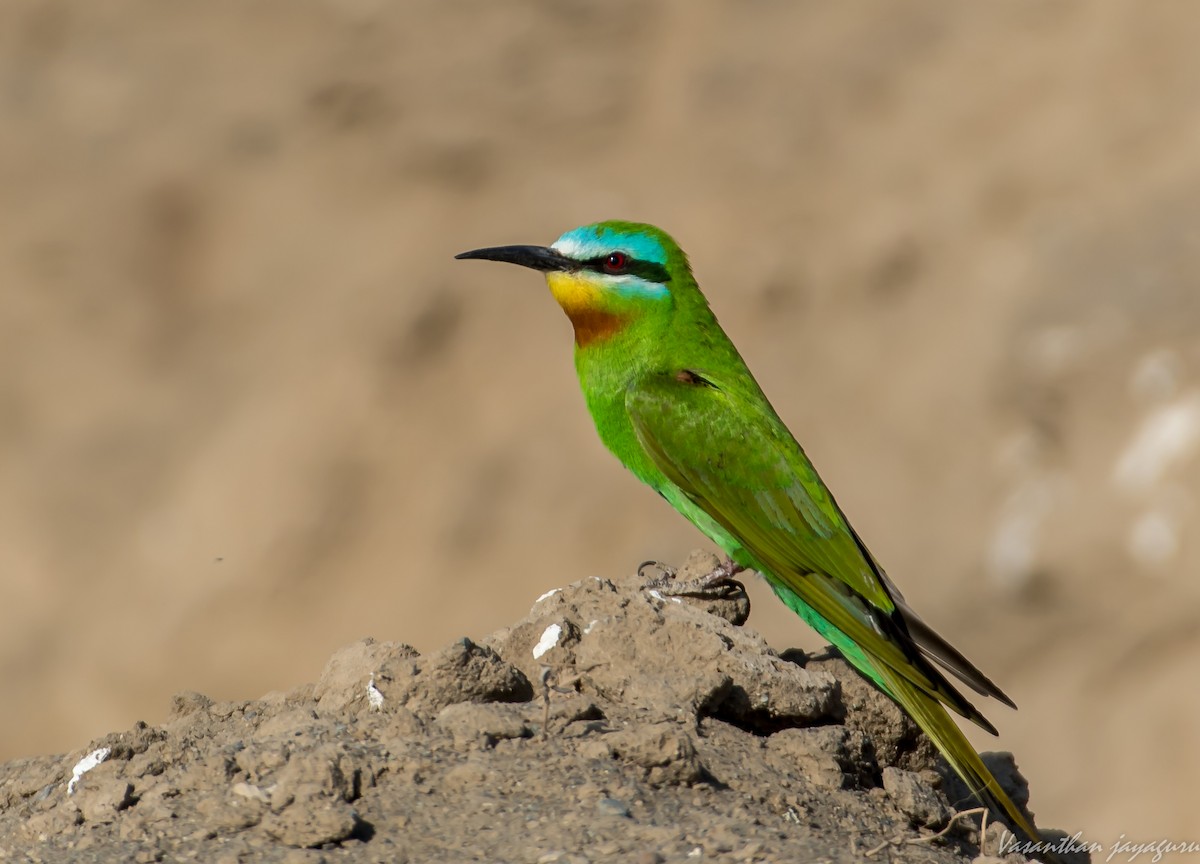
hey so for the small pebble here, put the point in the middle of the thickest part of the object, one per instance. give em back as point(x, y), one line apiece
point(612, 807)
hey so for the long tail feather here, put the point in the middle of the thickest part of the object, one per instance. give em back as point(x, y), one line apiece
point(937, 723)
point(950, 658)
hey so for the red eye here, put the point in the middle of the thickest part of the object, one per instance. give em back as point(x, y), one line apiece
point(615, 262)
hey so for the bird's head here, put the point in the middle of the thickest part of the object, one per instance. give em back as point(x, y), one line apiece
point(607, 276)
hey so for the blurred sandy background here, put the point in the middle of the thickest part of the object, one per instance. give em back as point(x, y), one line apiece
point(251, 410)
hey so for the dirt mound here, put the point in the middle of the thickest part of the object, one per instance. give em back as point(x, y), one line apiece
point(244, 386)
point(612, 723)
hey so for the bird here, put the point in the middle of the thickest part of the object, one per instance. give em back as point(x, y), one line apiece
point(674, 401)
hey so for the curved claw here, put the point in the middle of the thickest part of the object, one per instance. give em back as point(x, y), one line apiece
point(665, 572)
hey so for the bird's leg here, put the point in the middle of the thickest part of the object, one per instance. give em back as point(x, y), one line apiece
point(714, 583)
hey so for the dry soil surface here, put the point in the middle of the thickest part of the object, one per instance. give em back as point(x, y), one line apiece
point(614, 722)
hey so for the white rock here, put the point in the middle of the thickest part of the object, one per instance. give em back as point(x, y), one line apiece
point(86, 764)
point(550, 637)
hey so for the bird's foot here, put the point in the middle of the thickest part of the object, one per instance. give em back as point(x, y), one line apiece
point(666, 573)
point(718, 582)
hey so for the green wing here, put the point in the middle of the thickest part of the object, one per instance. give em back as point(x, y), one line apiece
point(724, 447)
point(726, 450)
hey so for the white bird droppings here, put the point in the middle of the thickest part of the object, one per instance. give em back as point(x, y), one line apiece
point(549, 639)
point(657, 595)
point(547, 595)
point(374, 696)
point(591, 624)
point(86, 764)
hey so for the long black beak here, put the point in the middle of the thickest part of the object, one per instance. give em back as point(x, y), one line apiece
point(535, 257)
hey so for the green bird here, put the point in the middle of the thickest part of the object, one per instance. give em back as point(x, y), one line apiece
point(673, 400)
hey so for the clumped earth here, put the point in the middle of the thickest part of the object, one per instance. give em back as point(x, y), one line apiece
point(614, 722)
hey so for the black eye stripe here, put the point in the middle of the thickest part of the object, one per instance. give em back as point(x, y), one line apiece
point(651, 271)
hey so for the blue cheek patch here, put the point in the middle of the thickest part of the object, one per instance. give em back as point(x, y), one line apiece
point(634, 286)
